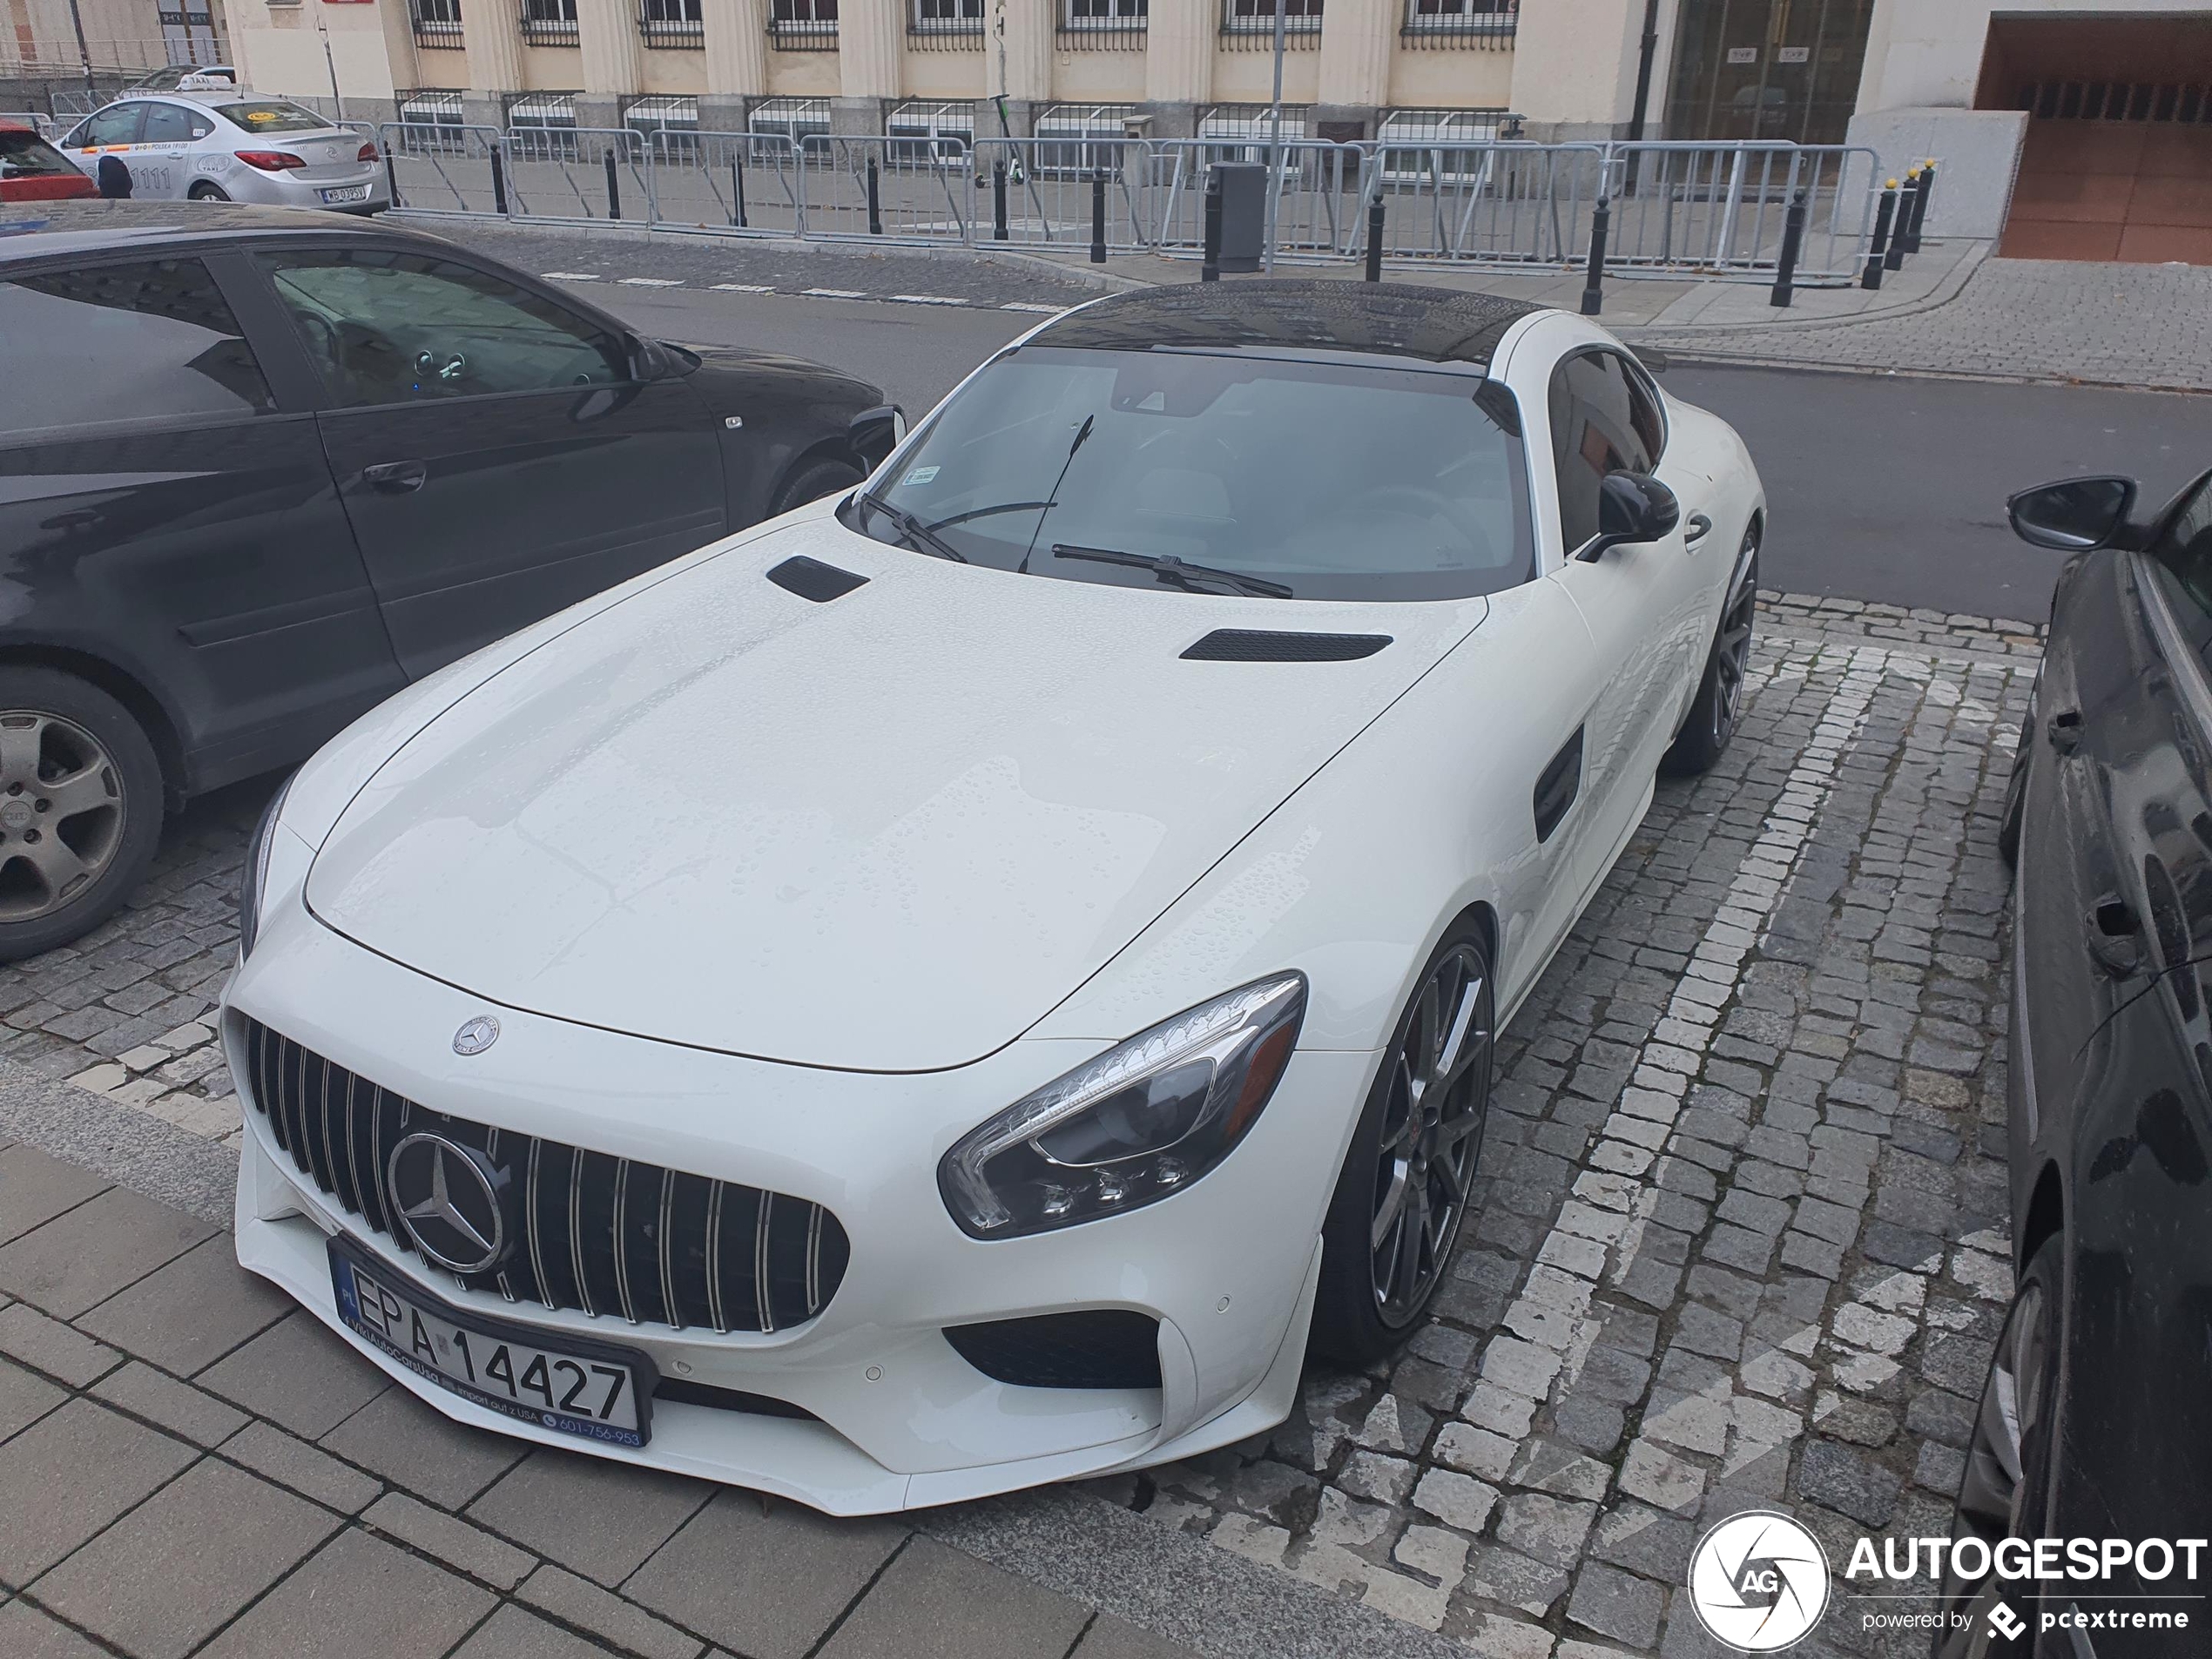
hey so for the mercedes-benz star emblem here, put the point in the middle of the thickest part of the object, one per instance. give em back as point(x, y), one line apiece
point(476, 1035)
point(448, 1198)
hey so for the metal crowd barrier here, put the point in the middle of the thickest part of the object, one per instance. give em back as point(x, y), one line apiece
point(1713, 209)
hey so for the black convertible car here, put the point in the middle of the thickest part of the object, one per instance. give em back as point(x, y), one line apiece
point(261, 468)
point(2094, 1423)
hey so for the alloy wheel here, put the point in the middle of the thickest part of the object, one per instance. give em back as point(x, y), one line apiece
point(1732, 649)
point(61, 813)
point(1991, 1494)
point(1433, 1115)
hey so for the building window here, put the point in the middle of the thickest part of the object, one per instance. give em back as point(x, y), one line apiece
point(540, 126)
point(1461, 22)
point(803, 26)
point(1437, 143)
point(1077, 139)
point(437, 23)
point(1104, 22)
point(432, 123)
point(550, 22)
point(935, 19)
point(1243, 131)
point(669, 125)
point(924, 135)
point(1242, 19)
point(794, 119)
point(678, 23)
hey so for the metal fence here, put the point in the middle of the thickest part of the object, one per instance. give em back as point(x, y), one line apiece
point(1709, 209)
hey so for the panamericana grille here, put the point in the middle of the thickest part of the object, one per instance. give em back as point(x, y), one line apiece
point(598, 1234)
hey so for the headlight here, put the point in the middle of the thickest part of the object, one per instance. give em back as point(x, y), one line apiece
point(1139, 1123)
point(255, 875)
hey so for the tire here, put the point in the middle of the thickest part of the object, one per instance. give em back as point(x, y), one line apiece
point(203, 192)
point(2008, 827)
point(1719, 703)
point(67, 865)
point(1418, 1142)
point(2008, 1479)
point(812, 480)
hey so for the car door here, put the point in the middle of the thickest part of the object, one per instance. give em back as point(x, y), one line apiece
point(163, 509)
point(1606, 417)
point(113, 131)
point(161, 163)
point(500, 454)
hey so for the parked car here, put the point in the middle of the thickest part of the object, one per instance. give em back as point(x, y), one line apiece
point(223, 145)
point(260, 469)
point(949, 990)
point(31, 169)
point(2091, 1421)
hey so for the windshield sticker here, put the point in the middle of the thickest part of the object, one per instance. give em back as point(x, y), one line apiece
point(919, 476)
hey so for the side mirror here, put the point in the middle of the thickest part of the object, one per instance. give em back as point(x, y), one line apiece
point(1631, 507)
point(2074, 515)
point(876, 432)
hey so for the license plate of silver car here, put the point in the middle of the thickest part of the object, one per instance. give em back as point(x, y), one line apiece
point(347, 193)
point(592, 1389)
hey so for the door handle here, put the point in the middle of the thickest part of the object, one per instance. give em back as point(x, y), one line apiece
point(2114, 936)
point(1697, 528)
point(395, 477)
point(2064, 729)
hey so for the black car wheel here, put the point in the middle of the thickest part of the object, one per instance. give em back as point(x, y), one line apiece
point(203, 192)
point(80, 808)
point(812, 480)
point(1403, 1189)
point(1719, 703)
point(2002, 1492)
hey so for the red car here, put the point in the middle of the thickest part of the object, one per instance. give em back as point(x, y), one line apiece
point(31, 169)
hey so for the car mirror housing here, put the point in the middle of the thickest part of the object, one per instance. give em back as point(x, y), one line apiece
point(1631, 507)
point(2073, 514)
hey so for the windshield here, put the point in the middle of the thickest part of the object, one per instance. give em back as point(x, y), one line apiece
point(1218, 472)
point(272, 115)
point(25, 155)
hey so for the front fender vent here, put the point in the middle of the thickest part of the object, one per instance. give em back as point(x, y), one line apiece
point(1267, 645)
point(812, 579)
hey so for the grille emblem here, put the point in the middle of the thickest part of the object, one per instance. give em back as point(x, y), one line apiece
point(448, 1198)
point(476, 1035)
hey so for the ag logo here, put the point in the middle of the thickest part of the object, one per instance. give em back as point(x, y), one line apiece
point(1759, 1581)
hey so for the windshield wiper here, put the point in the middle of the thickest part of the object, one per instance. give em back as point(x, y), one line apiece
point(918, 535)
point(986, 512)
point(1175, 571)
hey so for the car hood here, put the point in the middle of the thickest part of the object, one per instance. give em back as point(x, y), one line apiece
point(887, 832)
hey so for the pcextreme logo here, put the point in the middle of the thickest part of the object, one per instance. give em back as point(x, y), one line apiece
point(1758, 1582)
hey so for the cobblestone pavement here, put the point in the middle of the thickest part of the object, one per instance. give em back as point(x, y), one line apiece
point(1740, 1238)
point(2147, 325)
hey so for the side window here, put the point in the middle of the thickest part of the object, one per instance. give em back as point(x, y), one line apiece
point(392, 327)
point(117, 124)
point(172, 124)
point(1602, 422)
point(2180, 563)
point(123, 342)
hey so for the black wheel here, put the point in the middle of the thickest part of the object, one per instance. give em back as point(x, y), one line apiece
point(2008, 1461)
point(812, 480)
point(2008, 827)
point(205, 192)
point(80, 808)
point(1713, 711)
point(1403, 1192)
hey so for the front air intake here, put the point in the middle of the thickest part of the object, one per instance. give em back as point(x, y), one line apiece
point(1266, 645)
point(1095, 1348)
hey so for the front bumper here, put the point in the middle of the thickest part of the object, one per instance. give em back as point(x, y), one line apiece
point(901, 1420)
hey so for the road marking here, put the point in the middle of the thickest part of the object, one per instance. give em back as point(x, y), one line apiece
point(833, 294)
point(744, 287)
point(925, 300)
point(570, 276)
point(1024, 304)
point(650, 282)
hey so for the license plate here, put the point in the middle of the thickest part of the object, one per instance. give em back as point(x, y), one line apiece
point(590, 1389)
point(347, 193)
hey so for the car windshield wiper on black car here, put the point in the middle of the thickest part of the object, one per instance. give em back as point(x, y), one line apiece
point(1175, 571)
point(917, 534)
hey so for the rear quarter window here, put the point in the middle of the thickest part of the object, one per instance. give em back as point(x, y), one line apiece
point(271, 115)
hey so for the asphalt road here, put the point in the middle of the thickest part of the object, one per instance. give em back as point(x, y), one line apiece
point(1883, 488)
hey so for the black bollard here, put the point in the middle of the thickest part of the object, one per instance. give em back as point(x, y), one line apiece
point(736, 189)
point(1374, 238)
point(1592, 286)
point(1098, 218)
point(391, 179)
point(498, 183)
point(1894, 260)
point(1793, 236)
point(1877, 250)
point(614, 188)
point(998, 201)
point(1920, 206)
point(875, 200)
point(1209, 264)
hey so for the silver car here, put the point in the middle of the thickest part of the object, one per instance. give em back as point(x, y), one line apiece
point(223, 145)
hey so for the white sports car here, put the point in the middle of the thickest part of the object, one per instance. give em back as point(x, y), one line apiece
point(956, 987)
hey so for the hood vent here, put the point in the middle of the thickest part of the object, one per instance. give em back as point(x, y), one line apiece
point(1265, 645)
point(812, 579)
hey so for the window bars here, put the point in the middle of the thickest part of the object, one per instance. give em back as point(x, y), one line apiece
point(945, 25)
point(1485, 23)
point(437, 24)
point(802, 26)
point(793, 119)
point(919, 133)
point(1081, 138)
point(550, 22)
point(1249, 25)
point(678, 25)
point(1104, 25)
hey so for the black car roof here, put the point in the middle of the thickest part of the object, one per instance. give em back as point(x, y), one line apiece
point(40, 230)
point(1321, 315)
